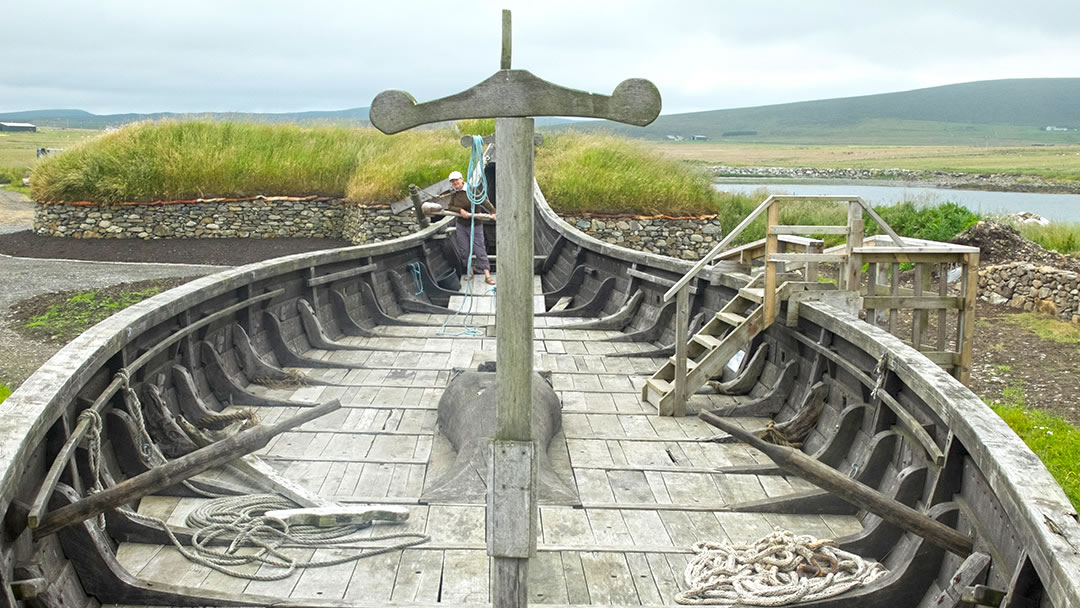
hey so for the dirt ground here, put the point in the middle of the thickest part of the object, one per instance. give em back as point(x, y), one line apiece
point(1006, 354)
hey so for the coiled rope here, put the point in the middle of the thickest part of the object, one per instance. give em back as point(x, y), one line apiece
point(476, 189)
point(778, 569)
point(235, 522)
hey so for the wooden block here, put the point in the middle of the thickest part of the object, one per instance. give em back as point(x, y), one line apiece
point(512, 507)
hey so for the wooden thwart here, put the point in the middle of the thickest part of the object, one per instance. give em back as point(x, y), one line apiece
point(797, 463)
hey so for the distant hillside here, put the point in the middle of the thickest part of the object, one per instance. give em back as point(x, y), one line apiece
point(991, 111)
point(80, 119)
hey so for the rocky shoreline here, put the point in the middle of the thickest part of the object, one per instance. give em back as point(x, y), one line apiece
point(996, 182)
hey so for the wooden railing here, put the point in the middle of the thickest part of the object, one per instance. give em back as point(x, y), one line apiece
point(786, 248)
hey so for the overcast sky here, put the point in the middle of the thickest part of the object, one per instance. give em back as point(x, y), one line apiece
point(269, 56)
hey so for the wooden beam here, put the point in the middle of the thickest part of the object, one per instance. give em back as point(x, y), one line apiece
point(682, 323)
point(806, 257)
point(772, 247)
point(796, 229)
point(862, 496)
point(174, 471)
point(914, 302)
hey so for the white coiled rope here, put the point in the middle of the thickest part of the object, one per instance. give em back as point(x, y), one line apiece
point(778, 569)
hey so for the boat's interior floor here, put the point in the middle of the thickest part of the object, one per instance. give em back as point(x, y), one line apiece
point(647, 484)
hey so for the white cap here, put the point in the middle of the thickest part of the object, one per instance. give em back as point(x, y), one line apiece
point(454, 175)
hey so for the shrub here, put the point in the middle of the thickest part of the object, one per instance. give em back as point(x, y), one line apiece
point(935, 223)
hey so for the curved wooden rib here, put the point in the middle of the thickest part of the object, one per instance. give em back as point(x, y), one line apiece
point(346, 322)
point(408, 301)
point(314, 331)
point(770, 403)
point(517, 93)
point(747, 379)
point(615, 321)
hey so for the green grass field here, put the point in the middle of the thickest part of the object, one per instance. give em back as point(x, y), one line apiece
point(1060, 163)
point(19, 149)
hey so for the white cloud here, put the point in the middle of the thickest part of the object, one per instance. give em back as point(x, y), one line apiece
point(201, 55)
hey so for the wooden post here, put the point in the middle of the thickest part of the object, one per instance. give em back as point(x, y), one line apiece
point(856, 232)
point(512, 509)
point(811, 275)
point(918, 317)
point(965, 341)
point(772, 218)
point(682, 339)
point(418, 207)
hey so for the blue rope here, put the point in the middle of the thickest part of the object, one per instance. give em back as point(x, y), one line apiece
point(477, 193)
point(417, 277)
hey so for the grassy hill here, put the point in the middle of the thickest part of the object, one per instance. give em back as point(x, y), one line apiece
point(975, 113)
point(81, 119)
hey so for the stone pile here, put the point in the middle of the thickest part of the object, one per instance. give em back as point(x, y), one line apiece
point(1031, 287)
point(683, 238)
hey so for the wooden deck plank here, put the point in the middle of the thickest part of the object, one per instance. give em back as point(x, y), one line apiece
point(565, 526)
point(282, 587)
point(325, 582)
point(608, 527)
point(630, 486)
point(418, 576)
point(641, 572)
point(135, 556)
point(593, 486)
point(456, 524)
point(646, 528)
point(609, 578)
point(466, 578)
point(375, 479)
point(668, 581)
point(547, 581)
point(372, 578)
point(739, 488)
point(692, 489)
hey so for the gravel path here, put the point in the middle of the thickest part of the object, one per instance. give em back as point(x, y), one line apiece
point(27, 277)
point(24, 278)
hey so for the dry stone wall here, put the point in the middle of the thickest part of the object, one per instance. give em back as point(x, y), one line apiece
point(256, 218)
point(1031, 287)
point(684, 238)
point(321, 217)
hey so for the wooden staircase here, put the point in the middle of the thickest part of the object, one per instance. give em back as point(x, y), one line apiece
point(709, 350)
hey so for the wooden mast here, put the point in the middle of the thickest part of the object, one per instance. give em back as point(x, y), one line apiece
point(513, 97)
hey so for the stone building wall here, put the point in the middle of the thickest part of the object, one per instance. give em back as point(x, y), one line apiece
point(683, 238)
point(256, 218)
point(1031, 287)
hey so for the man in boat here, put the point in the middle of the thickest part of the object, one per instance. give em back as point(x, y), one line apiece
point(460, 204)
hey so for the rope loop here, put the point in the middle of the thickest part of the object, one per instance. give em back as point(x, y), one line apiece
point(125, 377)
point(93, 451)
